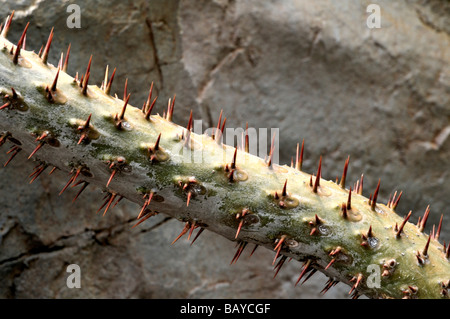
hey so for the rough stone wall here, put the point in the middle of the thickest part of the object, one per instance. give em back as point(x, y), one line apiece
point(310, 68)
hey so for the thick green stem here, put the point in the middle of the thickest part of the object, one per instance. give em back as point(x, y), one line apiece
point(196, 179)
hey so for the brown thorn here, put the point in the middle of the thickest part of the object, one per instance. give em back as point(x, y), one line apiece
point(313, 271)
point(84, 128)
point(284, 192)
point(349, 201)
point(217, 135)
point(106, 198)
point(395, 204)
point(47, 47)
point(239, 228)
point(319, 173)
point(330, 283)
point(425, 219)
point(335, 251)
point(184, 231)
point(60, 63)
point(330, 263)
point(16, 150)
point(38, 172)
point(109, 203)
point(247, 142)
point(71, 180)
point(124, 108)
point(19, 45)
point(239, 251)
point(7, 25)
point(88, 68)
point(403, 224)
point(170, 110)
point(253, 251)
point(118, 201)
point(358, 280)
point(189, 195)
point(125, 89)
point(66, 61)
point(272, 146)
point(198, 234)
point(360, 187)
point(85, 82)
point(278, 247)
point(108, 86)
point(344, 173)
point(14, 93)
point(299, 158)
point(36, 149)
point(40, 51)
point(438, 232)
point(149, 99)
point(149, 110)
point(370, 232)
point(375, 196)
point(189, 126)
point(244, 244)
point(111, 177)
point(5, 105)
point(193, 226)
point(156, 147)
point(223, 126)
point(427, 245)
point(4, 138)
point(395, 200)
point(81, 190)
point(279, 265)
point(418, 221)
point(36, 168)
point(55, 81)
point(233, 162)
point(146, 216)
point(145, 205)
point(420, 260)
point(105, 80)
point(82, 137)
point(304, 270)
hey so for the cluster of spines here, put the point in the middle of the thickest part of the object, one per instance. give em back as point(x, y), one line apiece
point(156, 154)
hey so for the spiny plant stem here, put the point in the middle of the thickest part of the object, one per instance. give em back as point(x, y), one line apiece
point(68, 124)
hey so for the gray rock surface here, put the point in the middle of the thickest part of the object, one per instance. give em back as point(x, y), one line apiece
point(313, 69)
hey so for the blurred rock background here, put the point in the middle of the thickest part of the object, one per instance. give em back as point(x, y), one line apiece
point(313, 69)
